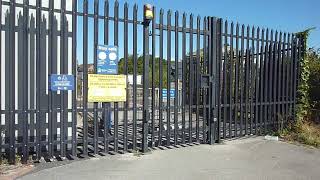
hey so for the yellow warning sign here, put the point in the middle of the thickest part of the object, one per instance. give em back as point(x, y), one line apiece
point(106, 88)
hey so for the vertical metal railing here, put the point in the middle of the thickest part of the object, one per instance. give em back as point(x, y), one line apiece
point(135, 58)
point(126, 105)
point(168, 109)
point(85, 78)
point(74, 72)
point(106, 106)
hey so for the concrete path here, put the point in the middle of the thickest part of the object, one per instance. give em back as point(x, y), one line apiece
point(246, 159)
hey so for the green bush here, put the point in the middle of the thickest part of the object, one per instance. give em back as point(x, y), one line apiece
point(314, 78)
point(306, 129)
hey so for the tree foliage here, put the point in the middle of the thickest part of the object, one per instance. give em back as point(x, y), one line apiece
point(304, 107)
point(130, 65)
point(314, 78)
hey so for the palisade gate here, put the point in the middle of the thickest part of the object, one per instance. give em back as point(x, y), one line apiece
point(189, 80)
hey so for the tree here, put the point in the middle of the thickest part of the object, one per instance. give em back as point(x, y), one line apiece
point(314, 79)
point(304, 88)
point(140, 69)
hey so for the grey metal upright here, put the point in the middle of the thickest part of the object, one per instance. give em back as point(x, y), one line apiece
point(146, 115)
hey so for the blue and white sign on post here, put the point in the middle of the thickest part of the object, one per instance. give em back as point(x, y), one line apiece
point(107, 63)
point(62, 82)
point(108, 58)
point(165, 91)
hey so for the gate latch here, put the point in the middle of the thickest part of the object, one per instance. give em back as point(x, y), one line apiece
point(206, 79)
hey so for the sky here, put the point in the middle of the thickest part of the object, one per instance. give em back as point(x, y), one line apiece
point(283, 15)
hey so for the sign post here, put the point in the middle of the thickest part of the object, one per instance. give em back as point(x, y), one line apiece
point(107, 63)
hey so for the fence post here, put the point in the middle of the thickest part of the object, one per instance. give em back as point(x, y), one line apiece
point(11, 97)
point(212, 62)
point(215, 51)
point(146, 115)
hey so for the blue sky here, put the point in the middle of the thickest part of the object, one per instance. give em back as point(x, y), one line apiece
point(283, 15)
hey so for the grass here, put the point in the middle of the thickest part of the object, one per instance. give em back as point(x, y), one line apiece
point(307, 133)
point(13, 171)
point(4, 161)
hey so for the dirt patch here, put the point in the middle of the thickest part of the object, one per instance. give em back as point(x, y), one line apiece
point(8, 172)
point(307, 133)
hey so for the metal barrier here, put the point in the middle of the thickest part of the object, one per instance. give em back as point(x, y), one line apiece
point(229, 80)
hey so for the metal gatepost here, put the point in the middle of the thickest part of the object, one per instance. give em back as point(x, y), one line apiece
point(147, 17)
point(214, 51)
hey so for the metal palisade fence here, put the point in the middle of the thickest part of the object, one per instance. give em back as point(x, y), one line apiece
point(193, 80)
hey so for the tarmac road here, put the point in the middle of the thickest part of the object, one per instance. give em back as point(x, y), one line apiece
point(251, 158)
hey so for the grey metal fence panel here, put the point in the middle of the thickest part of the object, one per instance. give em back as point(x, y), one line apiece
point(228, 80)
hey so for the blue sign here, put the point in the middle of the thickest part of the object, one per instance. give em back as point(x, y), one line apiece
point(108, 58)
point(62, 82)
point(165, 91)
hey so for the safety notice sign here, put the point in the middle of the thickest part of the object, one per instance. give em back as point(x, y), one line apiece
point(62, 82)
point(108, 58)
point(106, 88)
